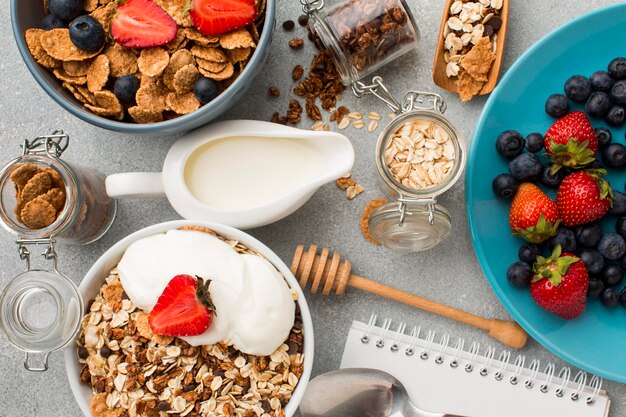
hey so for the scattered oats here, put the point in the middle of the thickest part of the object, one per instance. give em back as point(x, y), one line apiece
point(358, 124)
point(319, 125)
point(355, 115)
point(353, 190)
point(373, 115)
point(345, 122)
point(372, 126)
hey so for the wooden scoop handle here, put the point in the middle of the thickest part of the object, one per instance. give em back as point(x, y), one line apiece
point(335, 275)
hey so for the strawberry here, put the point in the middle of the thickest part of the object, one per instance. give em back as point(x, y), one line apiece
point(560, 284)
point(183, 309)
point(142, 24)
point(533, 215)
point(214, 17)
point(584, 197)
point(571, 141)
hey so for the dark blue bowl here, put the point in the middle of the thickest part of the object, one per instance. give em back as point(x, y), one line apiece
point(28, 13)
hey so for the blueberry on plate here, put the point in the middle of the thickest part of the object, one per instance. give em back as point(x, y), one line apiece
point(86, 33)
point(205, 90)
point(609, 297)
point(557, 106)
point(551, 180)
point(526, 167)
point(598, 104)
point(588, 235)
point(564, 237)
point(614, 156)
point(615, 116)
point(51, 22)
point(592, 260)
point(618, 92)
point(622, 297)
point(125, 88)
point(619, 204)
point(528, 253)
point(617, 68)
point(612, 246)
point(601, 81)
point(534, 142)
point(604, 137)
point(509, 144)
point(504, 186)
point(620, 226)
point(66, 9)
point(595, 287)
point(519, 274)
point(612, 274)
point(577, 88)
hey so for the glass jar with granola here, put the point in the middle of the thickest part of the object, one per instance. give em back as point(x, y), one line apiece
point(363, 35)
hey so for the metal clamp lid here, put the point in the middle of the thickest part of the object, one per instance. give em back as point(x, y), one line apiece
point(309, 7)
point(52, 145)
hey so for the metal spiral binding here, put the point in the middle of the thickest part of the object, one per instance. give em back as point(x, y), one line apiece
point(486, 359)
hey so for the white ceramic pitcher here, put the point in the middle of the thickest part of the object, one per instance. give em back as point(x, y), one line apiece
point(337, 160)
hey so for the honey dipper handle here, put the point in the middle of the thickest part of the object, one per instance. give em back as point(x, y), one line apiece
point(507, 332)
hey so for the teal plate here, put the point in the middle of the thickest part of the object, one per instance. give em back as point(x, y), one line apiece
point(596, 340)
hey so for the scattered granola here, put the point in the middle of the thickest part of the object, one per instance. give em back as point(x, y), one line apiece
point(365, 218)
point(297, 72)
point(296, 43)
point(274, 91)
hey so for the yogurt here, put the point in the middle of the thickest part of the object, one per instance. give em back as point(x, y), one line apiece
point(254, 306)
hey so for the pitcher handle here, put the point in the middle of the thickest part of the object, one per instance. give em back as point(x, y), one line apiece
point(135, 185)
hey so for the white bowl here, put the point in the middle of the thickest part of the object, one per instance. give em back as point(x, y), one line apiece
point(96, 275)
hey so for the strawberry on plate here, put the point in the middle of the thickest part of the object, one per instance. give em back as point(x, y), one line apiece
point(560, 284)
point(142, 24)
point(183, 309)
point(533, 215)
point(571, 141)
point(584, 197)
point(214, 17)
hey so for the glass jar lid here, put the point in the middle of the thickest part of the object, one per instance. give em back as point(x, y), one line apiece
point(410, 226)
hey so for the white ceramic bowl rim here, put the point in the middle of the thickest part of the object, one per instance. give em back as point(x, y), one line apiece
point(82, 393)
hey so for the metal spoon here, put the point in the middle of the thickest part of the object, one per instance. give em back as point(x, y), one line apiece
point(359, 392)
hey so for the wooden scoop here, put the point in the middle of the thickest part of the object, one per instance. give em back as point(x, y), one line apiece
point(328, 272)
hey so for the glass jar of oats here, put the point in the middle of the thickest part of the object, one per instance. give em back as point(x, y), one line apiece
point(419, 156)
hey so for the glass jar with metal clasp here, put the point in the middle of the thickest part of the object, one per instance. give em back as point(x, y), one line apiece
point(45, 200)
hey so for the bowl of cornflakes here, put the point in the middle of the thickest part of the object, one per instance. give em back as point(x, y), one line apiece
point(144, 66)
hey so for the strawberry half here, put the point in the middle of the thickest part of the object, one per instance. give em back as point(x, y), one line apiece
point(560, 284)
point(214, 17)
point(584, 197)
point(183, 309)
point(571, 141)
point(533, 215)
point(142, 24)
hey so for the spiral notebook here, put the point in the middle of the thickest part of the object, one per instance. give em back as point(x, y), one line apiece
point(445, 374)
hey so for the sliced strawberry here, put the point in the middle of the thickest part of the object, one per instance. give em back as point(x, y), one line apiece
point(214, 17)
point(183, 309)
point(142, 24)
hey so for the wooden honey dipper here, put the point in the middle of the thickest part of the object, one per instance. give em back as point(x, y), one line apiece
point(329, 273)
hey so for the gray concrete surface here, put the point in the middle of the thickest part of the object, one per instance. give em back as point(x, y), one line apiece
point(449, 273)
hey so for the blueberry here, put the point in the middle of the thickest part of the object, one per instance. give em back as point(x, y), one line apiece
point(592, 260)
point(557, 106)
point(601, 81)
point(617, 68)
point(528, 253)
point(509, 144)
point(620, 227)
point(126, 87)
point(205, 89)
point(618, 92)
point(577, 88)
point(598, 104)
point(604, 137)
point(526, 167)
point(552, 180)
point(534, 142)
point(66, 9)
point(612, 274)
point(519, 274)
point(615, 116)
point(622, 297)
point(609, 297)
point(588, 235)
point(596, 164)
point(619, 204)
point(614, 156)
point(596, 287)
point(564, 237)
point(51, 22)
point(86, 33)
point(612, 246)
point(504, 186)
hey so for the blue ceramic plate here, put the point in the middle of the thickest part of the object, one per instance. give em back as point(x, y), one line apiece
point(595, 341)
